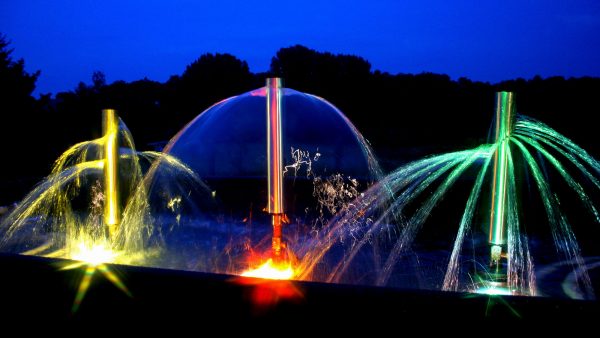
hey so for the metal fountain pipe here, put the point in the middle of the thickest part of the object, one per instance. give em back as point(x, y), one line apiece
point(505, 122)
point(275, 162)
point(110, 129)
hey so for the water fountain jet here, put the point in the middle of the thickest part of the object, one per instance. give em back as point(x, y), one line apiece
point(278, 266)
point(505, 121)
point(292, 167)
point(98, 204)
point(275, 164)
point(387, 217)
point(110, 128)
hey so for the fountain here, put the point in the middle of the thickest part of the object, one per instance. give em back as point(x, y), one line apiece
point(293, 172)
point(104, 202)
point(98, 206)
point(329, 213)
point(278, 266)
point(398, 206)
point(369, 238)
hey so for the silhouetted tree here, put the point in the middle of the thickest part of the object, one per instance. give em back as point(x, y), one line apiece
point(215, 76)
point(567, 105)
point(321, 73)
point(16, 85)
point(19, 113)
point(207, 80)
point(98, 79)
point(141, 105)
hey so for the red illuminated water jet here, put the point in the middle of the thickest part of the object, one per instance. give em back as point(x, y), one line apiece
point(278, 266)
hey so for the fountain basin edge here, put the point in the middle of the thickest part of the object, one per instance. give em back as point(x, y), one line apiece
point(34, 288)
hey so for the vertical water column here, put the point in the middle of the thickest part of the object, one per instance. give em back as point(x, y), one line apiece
point(505, 118)
point(110, 128)
point(275, 163)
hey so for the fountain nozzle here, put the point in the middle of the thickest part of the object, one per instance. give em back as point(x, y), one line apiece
point(111, 174)
point(275, 164)
point(277, 242)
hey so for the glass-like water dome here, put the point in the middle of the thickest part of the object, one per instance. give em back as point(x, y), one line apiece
point(271, 156)
point(226, 146)
point(229, 138)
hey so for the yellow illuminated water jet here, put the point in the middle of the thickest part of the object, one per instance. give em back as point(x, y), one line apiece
point(111, 157)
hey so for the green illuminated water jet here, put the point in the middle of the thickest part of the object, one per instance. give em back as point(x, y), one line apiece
point(504, 127)
point(505, 116)
point(397, 208)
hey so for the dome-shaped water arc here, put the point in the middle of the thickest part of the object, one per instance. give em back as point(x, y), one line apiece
point(226, 145)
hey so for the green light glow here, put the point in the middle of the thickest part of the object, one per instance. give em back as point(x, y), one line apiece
point(505, 114)
point(495, 291)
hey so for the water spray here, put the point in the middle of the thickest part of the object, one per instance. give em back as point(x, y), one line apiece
point(110, 130)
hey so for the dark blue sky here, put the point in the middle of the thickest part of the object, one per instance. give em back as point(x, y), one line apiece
point(129, 40)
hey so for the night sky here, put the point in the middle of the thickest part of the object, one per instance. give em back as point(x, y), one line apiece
point(129, 40)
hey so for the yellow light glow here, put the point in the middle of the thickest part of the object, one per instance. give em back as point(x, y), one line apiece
point(111, 156)
point(94, 255)
point(271, 271)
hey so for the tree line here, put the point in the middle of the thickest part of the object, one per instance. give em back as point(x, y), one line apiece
point(404, 116)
